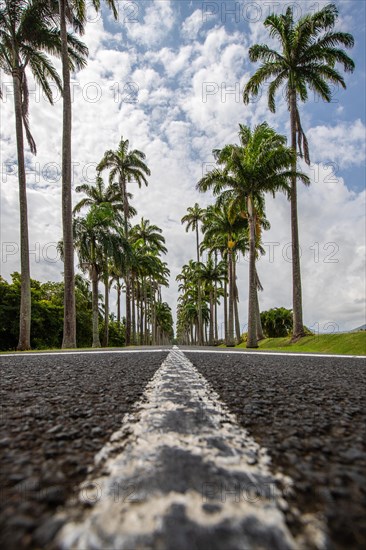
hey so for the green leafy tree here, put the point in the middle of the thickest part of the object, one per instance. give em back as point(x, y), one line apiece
point(306, 57)
point(47, 312)
point(277, 322)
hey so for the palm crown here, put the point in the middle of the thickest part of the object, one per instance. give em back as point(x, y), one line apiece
point(308, 53)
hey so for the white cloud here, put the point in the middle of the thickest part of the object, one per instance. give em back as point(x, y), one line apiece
point(158, 21)
point(343, 143)
point(192, 25)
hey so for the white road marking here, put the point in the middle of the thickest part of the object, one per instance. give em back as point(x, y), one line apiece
point(275, 353)
point(180, 474)
point(192, 350)
point(91, 352)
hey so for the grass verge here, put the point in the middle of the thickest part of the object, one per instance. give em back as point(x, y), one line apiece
point(353, 343)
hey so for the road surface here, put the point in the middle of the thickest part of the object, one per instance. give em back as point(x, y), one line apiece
point(193, 449)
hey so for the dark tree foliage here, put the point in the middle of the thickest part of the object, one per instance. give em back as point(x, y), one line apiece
point(117, 332)
point(277, 322)
point(47, 313)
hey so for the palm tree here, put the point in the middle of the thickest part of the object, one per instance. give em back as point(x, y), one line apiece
point(73, 12)
point(116, 274)
point(308, 52)
point(212, 274)
point(221, 229)
point(164, 321)
point(148, 242)
point(127, 166)
point(149, 236)
point(192, 218)
point(96, 236)
point(261, 163)
point(191, 287)
point(26, 32)
point(99, 194)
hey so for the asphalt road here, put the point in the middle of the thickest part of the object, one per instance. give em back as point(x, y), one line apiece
point(59, 410)
point(310, 413)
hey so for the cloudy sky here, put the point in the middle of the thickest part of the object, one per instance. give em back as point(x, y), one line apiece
point(169, 76)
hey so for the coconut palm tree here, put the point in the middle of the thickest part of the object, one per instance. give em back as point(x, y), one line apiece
point(126, 166)
point(193, 217)
point(305, 59)
point(74, 13)
point(26, 33)
point(261, 163)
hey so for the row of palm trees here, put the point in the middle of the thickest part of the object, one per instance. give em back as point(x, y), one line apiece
point(31, 31)
point(306, 57)
point(114, 252)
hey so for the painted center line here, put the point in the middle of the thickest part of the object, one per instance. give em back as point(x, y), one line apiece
point(182, 474)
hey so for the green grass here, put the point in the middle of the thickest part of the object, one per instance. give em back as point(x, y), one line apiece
point(353, 343)
point(40, 350)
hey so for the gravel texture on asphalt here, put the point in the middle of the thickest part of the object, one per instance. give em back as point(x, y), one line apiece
point(56, 413)
point(310, 413)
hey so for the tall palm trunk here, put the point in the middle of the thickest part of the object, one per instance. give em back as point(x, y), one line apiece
point(200, 324)
point(95, 310)
point(236, 300)
point(118, 302)
point(69, 334)
point(216, 327)
point(212, 313)
point(153, 314)
point(133, 311)
point(106, 309)
point(142, 312)
point(298, 328)
point(215, 305)
point(226, 327)
point(230, 332)
point(25, 291)
point(260, 335)
point(146, 313)
point(123, 190)
point(252, 317)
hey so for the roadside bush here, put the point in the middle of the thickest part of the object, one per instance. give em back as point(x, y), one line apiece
point(277, 322)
